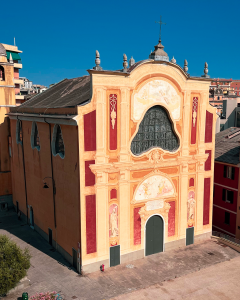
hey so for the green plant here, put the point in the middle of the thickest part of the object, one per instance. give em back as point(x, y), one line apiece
point(14, 263)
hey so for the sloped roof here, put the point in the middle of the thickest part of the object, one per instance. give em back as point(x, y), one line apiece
point(66, 93)
point(227, 146)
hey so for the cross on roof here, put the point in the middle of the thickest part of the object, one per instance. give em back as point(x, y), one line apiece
point(161, 23)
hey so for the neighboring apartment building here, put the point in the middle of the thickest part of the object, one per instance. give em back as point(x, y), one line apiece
point(220, 90)
point(230, 116)
point(13, 55)
point(226, 196)
point(235, 85)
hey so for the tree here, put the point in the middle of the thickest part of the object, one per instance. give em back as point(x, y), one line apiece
point(14, 263)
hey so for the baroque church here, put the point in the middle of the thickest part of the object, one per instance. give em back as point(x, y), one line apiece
point(116, 165)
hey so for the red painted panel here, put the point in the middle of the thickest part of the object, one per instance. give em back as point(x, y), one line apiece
point(90, 131)
point(206, 201)
point(89, 175)
point(171, 219)
point(217, 199)
point(218, 176)
point(137, 226)
point(113, 194)
point(219, 220)
point(194, 120)
point(208, 161)
point(208, 127)
point(91, 224)
point(191, 182)
point(113, 121)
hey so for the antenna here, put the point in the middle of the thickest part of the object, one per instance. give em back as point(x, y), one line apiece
point(14, 42)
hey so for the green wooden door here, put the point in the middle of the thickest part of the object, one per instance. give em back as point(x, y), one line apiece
point(154, 235)
point(189, 236)
point(114, 256)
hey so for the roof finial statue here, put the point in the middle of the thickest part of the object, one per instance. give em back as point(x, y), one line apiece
point(206, 71)
point(173, 60)
point(131, 61)
point(125, 63)
point(97, 62)
point(185, 69)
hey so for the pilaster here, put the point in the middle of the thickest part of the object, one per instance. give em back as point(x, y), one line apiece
point(183, 200)
point(101, 126)
point(125, 117)
point(202, 121)
point(124, 209)
point(186, 115)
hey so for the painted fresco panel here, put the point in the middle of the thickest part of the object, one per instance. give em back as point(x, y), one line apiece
point(154, 187)
point(157, 92)
point(113, 121)
point(208, 161)
point(89, 175)
point(194, 120)
point(113, 220)
point(191, 204)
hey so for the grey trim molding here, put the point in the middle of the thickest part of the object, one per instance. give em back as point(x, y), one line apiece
point(8, 105)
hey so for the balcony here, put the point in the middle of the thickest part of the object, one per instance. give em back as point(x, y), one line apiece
point(18, 81)
point(19, 97)
point(17, 66)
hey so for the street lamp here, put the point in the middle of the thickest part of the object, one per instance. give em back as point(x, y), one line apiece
point(45, 185)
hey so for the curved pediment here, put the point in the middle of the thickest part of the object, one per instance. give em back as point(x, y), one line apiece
point(154, 187)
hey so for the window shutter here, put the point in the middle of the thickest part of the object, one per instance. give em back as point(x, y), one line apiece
point(225, 172)
point(223, 194)
point(233, 173)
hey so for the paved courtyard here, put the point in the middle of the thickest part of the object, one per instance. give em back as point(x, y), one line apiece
point(208, 270)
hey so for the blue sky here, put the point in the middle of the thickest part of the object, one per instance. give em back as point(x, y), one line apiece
point(59, 38)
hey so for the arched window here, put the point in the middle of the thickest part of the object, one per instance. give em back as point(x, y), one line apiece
point(35, 140)
point(57, 142)
point(155, 130)
point(2, 73)
point(19, 134)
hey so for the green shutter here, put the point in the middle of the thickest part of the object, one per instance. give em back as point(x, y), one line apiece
point(189, 236)
point(15, 56)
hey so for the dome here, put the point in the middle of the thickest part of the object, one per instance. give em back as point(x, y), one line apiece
point(2, 50)
point(159, 53)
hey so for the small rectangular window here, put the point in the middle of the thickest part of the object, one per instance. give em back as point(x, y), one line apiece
point(229, 172)
point(229, 196)
point(227, 218)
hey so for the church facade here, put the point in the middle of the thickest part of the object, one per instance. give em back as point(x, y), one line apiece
point(128, 158)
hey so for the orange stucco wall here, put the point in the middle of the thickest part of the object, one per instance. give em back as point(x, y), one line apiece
point(66, 175)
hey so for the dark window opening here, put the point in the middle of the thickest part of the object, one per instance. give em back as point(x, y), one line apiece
point(155, 130)
point(227, 196)
point(229, 172)
point(2, 73)
point(227, 218)
point(59, 141)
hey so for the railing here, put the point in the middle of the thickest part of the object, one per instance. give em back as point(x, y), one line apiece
point(226, 237)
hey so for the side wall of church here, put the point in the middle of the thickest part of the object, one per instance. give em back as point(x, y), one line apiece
point(66, 177)
point(134, 182)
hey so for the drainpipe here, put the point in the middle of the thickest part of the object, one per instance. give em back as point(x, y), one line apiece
point(24, 172)
point(53, 182)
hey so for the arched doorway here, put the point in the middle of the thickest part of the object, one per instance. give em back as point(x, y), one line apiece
point(154, 235)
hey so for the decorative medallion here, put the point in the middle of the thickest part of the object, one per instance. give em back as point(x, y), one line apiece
point(155, 156)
